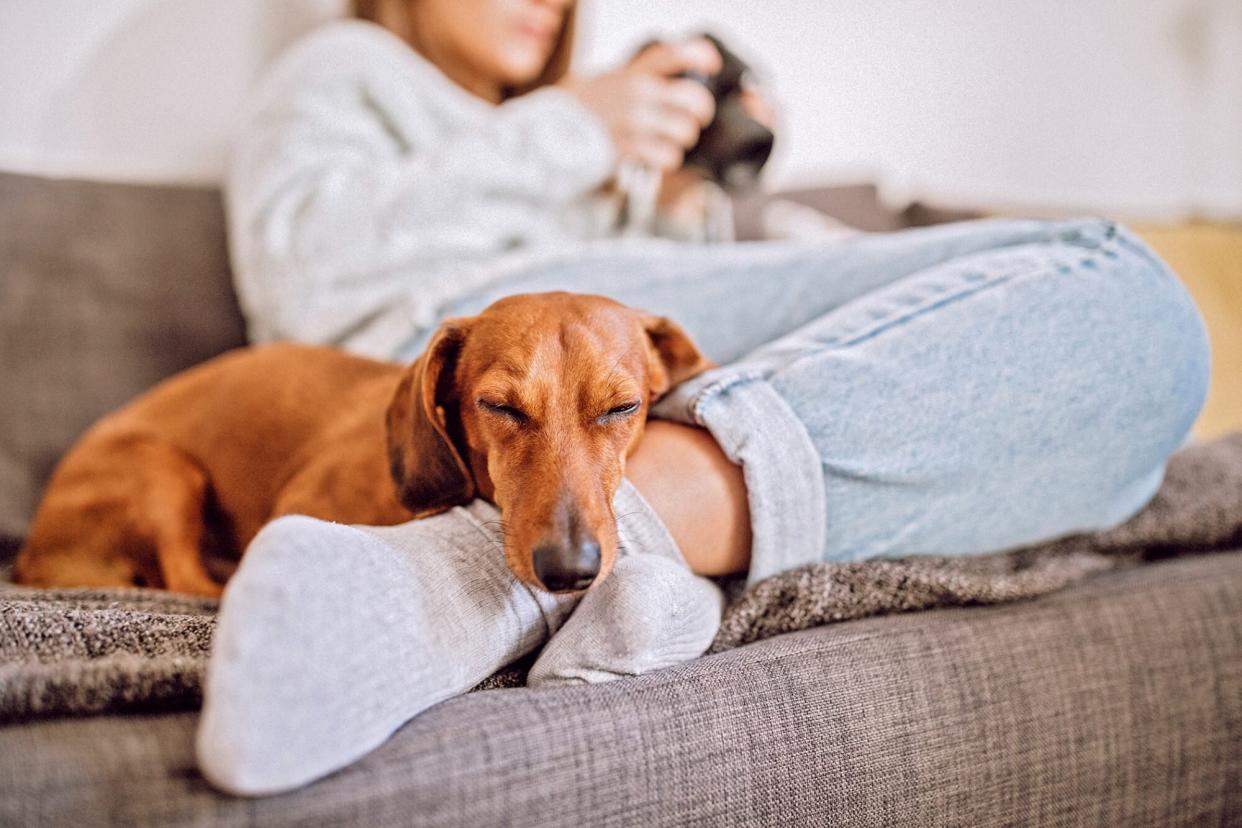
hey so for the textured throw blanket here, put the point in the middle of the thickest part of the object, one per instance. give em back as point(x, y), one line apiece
point(88, 651)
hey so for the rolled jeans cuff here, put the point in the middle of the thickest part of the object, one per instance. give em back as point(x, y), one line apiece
point(758, 430)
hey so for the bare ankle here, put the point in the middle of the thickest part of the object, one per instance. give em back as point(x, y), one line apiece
point(698, 493)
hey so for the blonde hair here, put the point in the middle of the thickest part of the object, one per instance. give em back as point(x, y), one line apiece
point(394, 15)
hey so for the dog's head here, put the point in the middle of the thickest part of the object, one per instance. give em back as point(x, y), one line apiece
point(535, 404)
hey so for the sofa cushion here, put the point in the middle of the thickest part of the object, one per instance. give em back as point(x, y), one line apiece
point(104, 289)
point(1115, 702)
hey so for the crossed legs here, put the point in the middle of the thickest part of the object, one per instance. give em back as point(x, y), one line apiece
point(992, 400)
point(956, 391)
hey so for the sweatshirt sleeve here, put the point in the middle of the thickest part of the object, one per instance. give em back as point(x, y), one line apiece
point(334, 211)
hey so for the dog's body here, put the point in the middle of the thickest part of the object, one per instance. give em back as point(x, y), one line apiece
point(203, 460)
point(206, 458)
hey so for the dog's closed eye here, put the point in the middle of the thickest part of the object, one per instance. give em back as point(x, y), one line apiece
point(505, 410)
point(619, 412)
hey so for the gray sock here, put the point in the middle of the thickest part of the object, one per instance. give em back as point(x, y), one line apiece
point(330, 637)
point(651, 612)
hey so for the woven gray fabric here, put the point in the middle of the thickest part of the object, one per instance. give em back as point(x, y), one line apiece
point(74, 651)
point(83, 651)
point(105, 289)
point(1117, 701)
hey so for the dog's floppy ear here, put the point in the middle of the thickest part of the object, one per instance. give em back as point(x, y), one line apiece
point(676, 357)
point(426, 463)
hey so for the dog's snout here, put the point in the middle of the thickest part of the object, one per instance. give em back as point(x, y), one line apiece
point(567, 567)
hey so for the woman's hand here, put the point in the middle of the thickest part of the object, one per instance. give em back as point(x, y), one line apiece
point(652, 115)
point(759, 106)
point(684, 191)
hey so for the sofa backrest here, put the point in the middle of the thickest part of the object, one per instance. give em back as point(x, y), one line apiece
point(107, 288)
point(104, 290)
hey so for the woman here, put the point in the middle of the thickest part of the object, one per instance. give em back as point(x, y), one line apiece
point(953, 390)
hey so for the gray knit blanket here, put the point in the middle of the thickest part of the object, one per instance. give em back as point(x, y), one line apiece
point(90, 651)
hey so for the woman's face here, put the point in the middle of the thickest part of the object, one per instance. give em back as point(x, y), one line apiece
point(486, 45)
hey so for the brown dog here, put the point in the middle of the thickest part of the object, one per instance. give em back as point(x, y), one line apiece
point(534, 404)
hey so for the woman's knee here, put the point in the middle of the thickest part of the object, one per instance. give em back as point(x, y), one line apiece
point(1152, 329)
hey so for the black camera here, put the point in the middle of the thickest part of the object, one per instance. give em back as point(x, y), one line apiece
point(733, 148)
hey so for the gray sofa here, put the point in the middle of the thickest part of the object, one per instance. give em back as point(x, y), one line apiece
point(1114, 702)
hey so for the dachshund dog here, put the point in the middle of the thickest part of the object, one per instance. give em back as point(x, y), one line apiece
point(534, 404)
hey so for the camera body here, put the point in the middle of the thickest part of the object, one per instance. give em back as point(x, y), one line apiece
point(733, 148)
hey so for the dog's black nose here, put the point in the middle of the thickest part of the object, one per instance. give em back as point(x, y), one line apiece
point(564, 568)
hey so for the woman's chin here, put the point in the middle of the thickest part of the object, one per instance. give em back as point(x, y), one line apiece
point(521, 67)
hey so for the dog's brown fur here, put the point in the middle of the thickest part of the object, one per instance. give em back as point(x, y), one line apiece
point(199, 463)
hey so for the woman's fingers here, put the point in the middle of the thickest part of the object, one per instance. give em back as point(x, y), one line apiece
point(662, 134)
point(690, 97)
point(653, 116)
point(758, 106)
point(669, 124)
point(669, 58)
point(656, 153)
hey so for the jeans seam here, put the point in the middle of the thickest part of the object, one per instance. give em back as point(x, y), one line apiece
point(1112, 237)
point(1075, 234)
point(1140, 248)
point(885, 325)
point(714, 389)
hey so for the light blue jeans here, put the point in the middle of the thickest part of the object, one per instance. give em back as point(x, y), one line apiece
point(950, 390)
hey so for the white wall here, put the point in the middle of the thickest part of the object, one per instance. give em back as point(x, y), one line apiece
point(1134, 106)
point(1128, 106)
point(134, 89)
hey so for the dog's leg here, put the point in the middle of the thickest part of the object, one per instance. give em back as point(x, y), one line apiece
point(173, 502)
point(120, 511)
point(84, 542)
